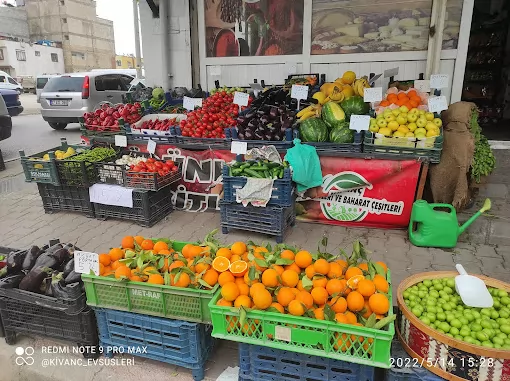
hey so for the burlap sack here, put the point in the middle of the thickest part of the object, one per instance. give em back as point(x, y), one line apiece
point(449, 178)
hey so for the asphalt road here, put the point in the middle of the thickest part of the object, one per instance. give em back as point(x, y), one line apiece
point(32, 134)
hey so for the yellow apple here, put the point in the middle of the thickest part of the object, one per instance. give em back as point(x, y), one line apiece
point(411, 118)
point(393, 125)
point(374, 128)
point(438, 122)
point(403, 129)
point(398, 134)
point(430, 126)
point(431, 133)
point(404, 109)
point(421, 112)
point(420, 131)
point(412, 127)
point(385, 131)
point(389, 118)
point(395, 112)
point(429, 116)
point(373, 122)
point(421, 122)
point(414, 110)
point(386, 112)
point(409, 135)
point(381, 123)
point(401, 119)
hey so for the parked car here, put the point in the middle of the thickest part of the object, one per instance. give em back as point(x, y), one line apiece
point(11, 98)
point(7, 82)
point(67, 97)
point(40, 82)
point(5, 121)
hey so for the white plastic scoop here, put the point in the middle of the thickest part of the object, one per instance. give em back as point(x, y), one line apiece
point(472, 290)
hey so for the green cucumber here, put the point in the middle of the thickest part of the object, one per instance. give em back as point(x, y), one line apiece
point(253, 173)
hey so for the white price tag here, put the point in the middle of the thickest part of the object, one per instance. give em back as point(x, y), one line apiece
point(391, 72)
point(359, 122)
point(439, 81)
point(299, 92)
point(121, 141)
point(422, 85)
point(438, 104)
point(107, 194)
point(373, 94)
point(239, 148)
point(282, 333)
point(241, 99)
point(190, 103)
point(151, 146)
point(84, 262)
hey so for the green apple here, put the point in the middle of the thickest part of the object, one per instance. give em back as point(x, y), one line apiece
point(395, 112)
point(421, 122)
point(411, 118)
point(429, 116)
point(412, 127)
point(421, 112)
point(404, 109)
point(374, 128)
point(402, 119)
point(438, 122)
point(430, 126)
point(389, 118)
point(381, 123)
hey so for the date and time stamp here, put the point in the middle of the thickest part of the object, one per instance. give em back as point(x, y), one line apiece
point(406, 362)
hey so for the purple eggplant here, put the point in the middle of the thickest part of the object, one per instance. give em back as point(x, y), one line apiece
point(273, 114)
point(62, 255)
point(33, 253)
point(61, 290)
point(277, 137)
point(241, 120)
point(33, 280)
point(249, 116)
point(282, 109)
point(69, 266)
point(268, 136)
point(72, 277)
point(15, 261)
point(241, 136)
point(259, 136)
point(264, 119)
point(248, 135)
point(253, 124)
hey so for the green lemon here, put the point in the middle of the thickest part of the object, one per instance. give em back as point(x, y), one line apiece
point(441, 316)
point(490, 332)
point(406, 294)
point(427, 283)
point(504, 313)
point(486, 323)
point(436, 281)
point(503, 294)
point(497, 346)
point(431, 302)
point(505, 329)
point(465, 332)
point(486, 312)
point(425, 319)
point(454, 331)
point(450, 282)
point(438, 286)
point(456, 323)
point(413, 303)
point(507, 341)
point(460, 308)
point(502, 335)
point(482, 336)
point(477, 342)
point(459, 337)
point(432, 309)
point(433, 293)
point(440, 330)
point(498, 340)
point(422, 294)
point(432, 317)
point(433, 325)
point(475, 327)
point(417, 311)
point(497, 304)
point(469, 316)
point(476, 314)
point(412, 297)
point(439, 309)
point(450, 317)
point(494, 314)
point(495, 324)
point(447, 307)
point(448, 290)
point(444, 326)
point(463, 320)
point(450, 335)
point(421, 287)
point(469, 339)
point(487, 344)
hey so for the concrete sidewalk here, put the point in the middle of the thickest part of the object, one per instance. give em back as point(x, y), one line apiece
point(485, 249)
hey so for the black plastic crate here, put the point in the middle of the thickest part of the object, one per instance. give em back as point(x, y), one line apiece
point(337, 149)
point(65, 198)
point(78, 173)
point(271, 220)
point(149, 207)
point(282, 188)
point(110, 173)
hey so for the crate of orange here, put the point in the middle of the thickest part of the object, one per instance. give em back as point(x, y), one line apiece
point(160, 277)
point(315, 304)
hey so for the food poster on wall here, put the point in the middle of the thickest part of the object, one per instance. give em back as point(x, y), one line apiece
point(374, 26)
point(253, 27)
point(359, 192)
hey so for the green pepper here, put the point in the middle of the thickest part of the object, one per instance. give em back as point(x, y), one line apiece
point(245, 165)
point(280, 173)
point(253, 173)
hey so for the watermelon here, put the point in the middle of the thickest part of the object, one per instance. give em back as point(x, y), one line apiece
point(313, 130)
point(354, 106)
point(341, 134)
point(332, 114)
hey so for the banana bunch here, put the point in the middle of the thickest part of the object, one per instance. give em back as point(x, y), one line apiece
point(360, 85)
point(337, 95)
point(308, 112)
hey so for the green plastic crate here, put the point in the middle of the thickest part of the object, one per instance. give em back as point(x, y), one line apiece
point(150, 299)
point(305, 335)
point(41, 171)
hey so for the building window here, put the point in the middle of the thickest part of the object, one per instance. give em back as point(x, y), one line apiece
point(37, 53)
point(78, 55)
point(1, 54)
point(54, 57)
point(119, 63)
point(20, 55)
point(64, 20)
point(66, 37)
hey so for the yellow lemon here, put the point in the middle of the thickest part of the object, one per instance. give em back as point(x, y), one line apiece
point(349, 77)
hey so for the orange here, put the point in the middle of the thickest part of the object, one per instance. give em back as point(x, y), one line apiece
point(321, 266)
point(287, 254)
point(335, 286)
point(320, 295)
point(239, 281)
point(238, 268)
point(296, 308)
point(259, 250)
point(147, 244)
point(224, 252)
point(165, 252)
point(107, 270)
point(363, 266)
point(156, 279)
point(101, 268)
point(225, 277)
point(300, 285)
point(270, 278)
point(183, 281)
point(262, 299)
point(353, 281)
point(343, 264)
point(191, 266)
point(128, 242)
point(279, 269)
point(306, 298)
point(290, 278)
point(200, 266)
point(335, 270)
point(381, 284)
point(278, 306)
point(249, 281)
point(138, 239)
point(234, 258)
point(383, 265)
point(158, 246)
point(338, 304)
point(243, 288)
point(352, 271)
point(293, 267)
point(135, 278)
point(295, 291)
point(351, 317)
point(414, 103)
point(224, 303)
point(105, 259)
point(355, 301)
point(238, 248)
point(366, 287)
point(401, 95)
point(256, 288)
point(341, 318)
point(320, 282)
point(115, 265)
point(379, 304)
point(310, 272)
point(116, 254)
point(187, 250)
point(384, 103)
point(343, 344)
point(230, 291)
point(122, 272)
point(303, 259)
point(150, 270)
point(221, 264)
point(243, 300)
point(319, 313)
point(412, 93)
point(176, 264)
point(285, 296)
point(367, 310)
point(210, 277)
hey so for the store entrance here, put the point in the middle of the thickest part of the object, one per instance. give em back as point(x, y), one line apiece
point(487, 78)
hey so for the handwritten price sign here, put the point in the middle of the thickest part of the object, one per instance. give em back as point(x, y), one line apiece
point(85, 262)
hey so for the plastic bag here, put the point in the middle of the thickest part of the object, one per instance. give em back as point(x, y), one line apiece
point(305, 164)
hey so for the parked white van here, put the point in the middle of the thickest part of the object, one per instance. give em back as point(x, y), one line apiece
point(7, 82)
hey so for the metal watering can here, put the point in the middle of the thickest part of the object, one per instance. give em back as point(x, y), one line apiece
point(430, 227)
